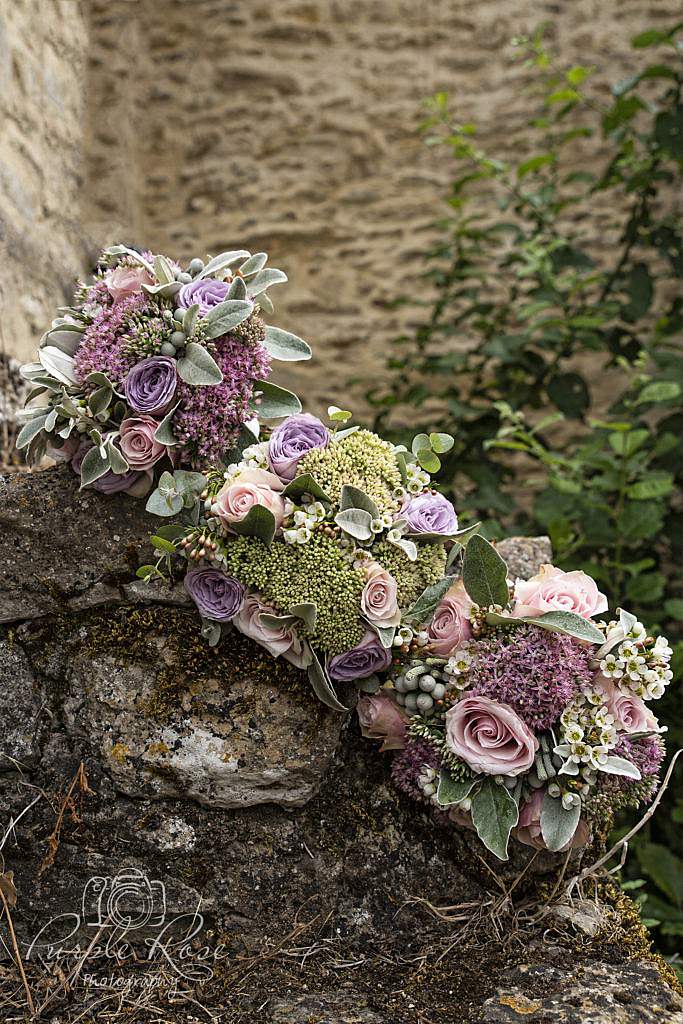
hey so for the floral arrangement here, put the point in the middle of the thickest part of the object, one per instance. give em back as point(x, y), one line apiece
point(509, 707)
point(156, 370)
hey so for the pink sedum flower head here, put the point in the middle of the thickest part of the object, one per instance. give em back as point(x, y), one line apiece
point(554, 590)
point(450, 626)
point(490, 737)
point(252, 487)
point(381, 719)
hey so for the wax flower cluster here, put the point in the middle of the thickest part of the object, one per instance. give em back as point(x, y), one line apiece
point(156, 367)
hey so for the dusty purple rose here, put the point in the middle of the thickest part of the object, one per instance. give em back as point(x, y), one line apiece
point(361, 661)
point(132, 482)
point(289, 442)
point(430, 513)
point(151, 383)
point(217, 596)
point(206, 294)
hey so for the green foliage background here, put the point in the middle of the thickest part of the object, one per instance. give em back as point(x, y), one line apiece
point(552, 352)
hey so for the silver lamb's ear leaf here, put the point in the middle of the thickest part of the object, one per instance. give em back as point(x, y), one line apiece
point(226, 316)
point(322, 685)
point(94, 466)
point(190, 319)
point(265, 279)
point(220, 262)
point(484, 573)
point(117, 462)
point(568, 623)
point(30, 430)
point(167, 291)
point(386, 635)
point(494, 815)
point(198, 366)
point(58, 363)
point(254, 264)
point(353, 497)
point(620, 766)
point(558, 824)
point(237, 290)
point(265, 305)
point(164, 432)
point(307, 612)
point(285, 346)
point(356, 522)
point(273, 402)
point(452, 791)
point(258, 522)
point(426, 604)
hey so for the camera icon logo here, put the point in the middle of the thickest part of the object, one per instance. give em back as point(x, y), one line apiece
point(128, 900)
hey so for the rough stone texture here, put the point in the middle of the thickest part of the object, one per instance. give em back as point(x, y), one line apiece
point(225, 785)
point(289, 126)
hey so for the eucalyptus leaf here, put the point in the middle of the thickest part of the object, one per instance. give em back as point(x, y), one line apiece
point(226, 316)
point(370, 684)
point(430, 462)
point(220, 262)
point(305, 484)
point(453, 791)
point(353, 497)
point(285, 346)
point(558, 824)
point(484, 573)
point(264, 279)
point(99, 379)
point(274, 402)
point(211, 631)
point(160, 504)
point(198, 366)
point(426, 604)
point(441, 443)
point(356, 522)
point(322, 685)
point(258, 522)
point(494, 815)
point(187, 482)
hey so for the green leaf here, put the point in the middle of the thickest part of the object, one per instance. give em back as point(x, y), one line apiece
point(226, 316)
point(164, 432)
point(220, 262)
point(569, 393)
point(356, 522)
point(659, 391)
point(654, 485)
point(30, 430)
point(640, 290)
point(337, 415)
point(557, 824)
point(353, 497)
point(163, 544)
point(94, 466)
point(674, 608)
point(305, 484)
point(285, 346)
point(646, 588)
point(322, 685)
point(273, 402)
point(427, 602)
point(535, 163)
point(628, 443)
point(664, 868)
point(258, 522)
point(146, 570)
point(198, 366)
point(441, 443)
point(172, 531)
point(484, 573)
point(452, 791)
point(430, 462)
point(494, 815)
point(570, 624)
point(650, 37)
point(641, 520)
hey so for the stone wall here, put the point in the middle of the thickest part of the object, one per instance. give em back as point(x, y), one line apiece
point(289, 126)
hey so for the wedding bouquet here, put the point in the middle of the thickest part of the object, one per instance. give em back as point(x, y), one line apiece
point(509, 708)
point(157, 367)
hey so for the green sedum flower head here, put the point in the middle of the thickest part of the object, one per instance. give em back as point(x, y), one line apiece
point(361, 459)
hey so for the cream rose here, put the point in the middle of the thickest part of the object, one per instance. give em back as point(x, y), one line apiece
point(381, 719)
point(554, 590)
point(125, 281)
point(278, 639)
point(490, 737)
point(136, 439)
point(378, 601)
point(252, 487)
point(450, 625)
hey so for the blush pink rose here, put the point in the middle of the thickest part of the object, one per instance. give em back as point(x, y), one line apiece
point(631, 714)
point(528, 830)
point(278, 639)
point(252, 487)
point(125, 281)
point(450, 625)
point(136, 439)
point(554, 590)
point(490, 737)
point(381, 719)
point(379, 601)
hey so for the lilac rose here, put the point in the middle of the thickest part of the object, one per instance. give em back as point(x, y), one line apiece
point(361, 661)
point(151, 384)
point(133, 483)
point(430, 513)
point(289, 442)
point(206, 293)
point(218, 596)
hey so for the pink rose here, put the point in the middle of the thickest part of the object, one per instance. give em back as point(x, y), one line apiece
point(378, 601)
point(631, 714)
point(490, 737)
point(125, 281)
point(450, 625)
point(278, 639)
point(136, 439)
point(528, 830)
point(252, 487)
point(556, 591)
point(381, 719)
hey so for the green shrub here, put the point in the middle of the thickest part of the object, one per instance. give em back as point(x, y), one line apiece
point(552, 350)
